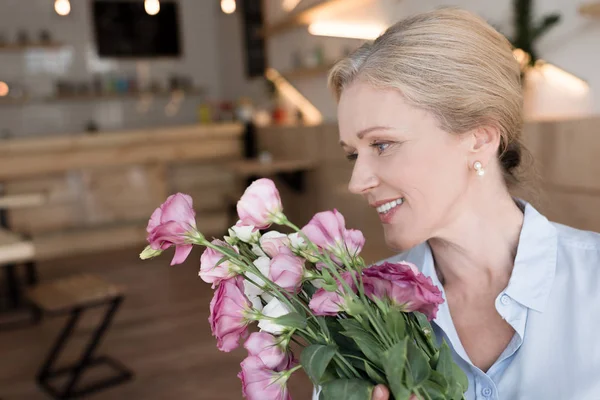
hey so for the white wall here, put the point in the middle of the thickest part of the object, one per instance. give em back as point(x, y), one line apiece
point(77, 61)
point(573, 45)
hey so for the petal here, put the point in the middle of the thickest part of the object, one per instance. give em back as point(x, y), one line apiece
point(181, 253)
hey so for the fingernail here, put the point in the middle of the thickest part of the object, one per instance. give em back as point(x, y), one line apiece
point(378, 392)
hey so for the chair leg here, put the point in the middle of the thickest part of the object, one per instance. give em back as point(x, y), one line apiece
point(87, 359)
point(12, 285)
point(46, 370)
point(91, 346)
point(31, 273)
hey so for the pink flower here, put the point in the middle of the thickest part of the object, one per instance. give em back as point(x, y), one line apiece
point(268, 348)
point(354, 240)
point(228, 309)
point(172, 224)
point(262, 383)
point(328, 231)
point(287, 271)
point(271, 243)
point(210, 272)
point(331, 303)
point(260, 204)
point(405, 286)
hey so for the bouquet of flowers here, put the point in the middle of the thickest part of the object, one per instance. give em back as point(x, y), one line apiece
point(356, 325)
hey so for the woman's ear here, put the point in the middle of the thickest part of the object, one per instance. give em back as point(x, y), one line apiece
point(484, 143)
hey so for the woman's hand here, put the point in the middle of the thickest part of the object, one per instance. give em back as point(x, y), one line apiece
point(380, 393)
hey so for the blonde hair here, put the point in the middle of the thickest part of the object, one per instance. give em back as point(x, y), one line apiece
point(449, 62)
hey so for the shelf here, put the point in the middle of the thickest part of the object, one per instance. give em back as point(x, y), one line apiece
point(15, 47)
point(303, 17)
point(590, 9)
point(308, 72)
point(119, 96)
point(97, 97)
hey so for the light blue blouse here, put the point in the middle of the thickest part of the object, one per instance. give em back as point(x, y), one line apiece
point(553, 303)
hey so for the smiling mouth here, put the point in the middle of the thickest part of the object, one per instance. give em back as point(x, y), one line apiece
point(387, 207)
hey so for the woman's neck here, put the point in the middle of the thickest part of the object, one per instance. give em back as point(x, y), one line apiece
point(477, 250)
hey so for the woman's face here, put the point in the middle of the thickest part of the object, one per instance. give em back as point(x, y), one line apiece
point(413, 173)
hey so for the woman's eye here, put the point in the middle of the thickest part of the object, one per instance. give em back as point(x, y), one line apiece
point(380, 147)
point(352, 157)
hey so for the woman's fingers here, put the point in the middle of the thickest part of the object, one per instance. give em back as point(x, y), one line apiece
point(381, 393)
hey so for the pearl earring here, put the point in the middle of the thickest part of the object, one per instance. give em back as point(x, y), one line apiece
point(479, 168)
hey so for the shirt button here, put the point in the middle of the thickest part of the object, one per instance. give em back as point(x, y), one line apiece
point(487, 392)
point(505, 299)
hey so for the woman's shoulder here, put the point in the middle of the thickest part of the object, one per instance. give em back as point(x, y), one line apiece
point(578, 254)
point(573, 239)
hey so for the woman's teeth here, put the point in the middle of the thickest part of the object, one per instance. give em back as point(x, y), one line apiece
point(388, 206)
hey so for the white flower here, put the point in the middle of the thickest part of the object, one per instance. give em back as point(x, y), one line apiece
point(258, 251)
point(246, 233)
point(297, 241)
point(273, 309)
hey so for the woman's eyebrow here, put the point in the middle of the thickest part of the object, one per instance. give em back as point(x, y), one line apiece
point(362, 133)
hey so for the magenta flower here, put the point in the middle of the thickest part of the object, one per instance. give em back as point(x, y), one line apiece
point(331, 303)
point(404, 286)
point(270, 351)
point(262, 383)
point(210, 272)
point(228, 314)
point(173, 224)
point(272, 242)
point(328, 231)
point(287, 271)
point(260, 204)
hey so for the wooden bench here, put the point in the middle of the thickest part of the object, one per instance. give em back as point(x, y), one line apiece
point(74, 295)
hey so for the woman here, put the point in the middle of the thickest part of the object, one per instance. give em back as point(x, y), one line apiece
point(431, 114)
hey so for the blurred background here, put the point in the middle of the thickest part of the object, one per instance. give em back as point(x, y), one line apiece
point(107, 107)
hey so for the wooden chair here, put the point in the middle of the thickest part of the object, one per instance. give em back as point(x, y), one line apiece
point(15, 250)
point(74, 295)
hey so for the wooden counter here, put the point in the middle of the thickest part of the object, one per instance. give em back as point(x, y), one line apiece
point(101, 189)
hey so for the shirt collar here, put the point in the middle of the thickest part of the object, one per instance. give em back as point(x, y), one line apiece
point(535, 263)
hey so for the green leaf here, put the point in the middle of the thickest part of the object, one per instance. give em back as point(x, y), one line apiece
point(396, 324)
point(374, 374)
point(222, 260)
point(419, 364)
point(291, 320)
point(439, 380)
point(460, 377)
point(365, 341)
point(346, 389)
point(456, 378)
point(393, 365)
point(315, 359)
point(444, 364)
point(434, 391)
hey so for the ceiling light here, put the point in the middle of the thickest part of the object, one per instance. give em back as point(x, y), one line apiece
point(289, 5)
point(3, 89)
point(62, 7)
point(367, 31)
point(228, 6)
point(152, 7)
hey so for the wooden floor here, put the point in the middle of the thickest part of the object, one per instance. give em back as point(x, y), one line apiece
point(161, 333)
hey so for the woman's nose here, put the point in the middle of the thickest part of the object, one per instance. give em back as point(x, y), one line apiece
point(363, 179)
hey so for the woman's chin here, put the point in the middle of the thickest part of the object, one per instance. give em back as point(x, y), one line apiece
point(400, 241)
